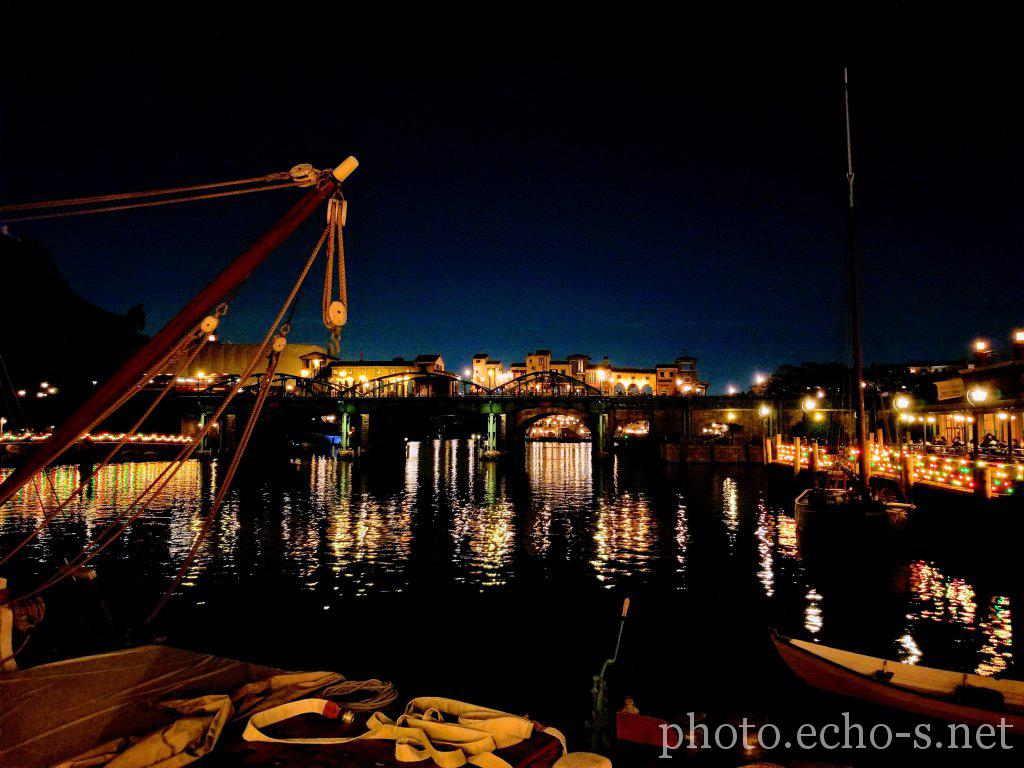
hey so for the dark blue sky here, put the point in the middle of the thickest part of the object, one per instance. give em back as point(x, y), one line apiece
point(634, 186)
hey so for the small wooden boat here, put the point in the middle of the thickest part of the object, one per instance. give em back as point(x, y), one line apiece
point(839, 506)
point(955, 696)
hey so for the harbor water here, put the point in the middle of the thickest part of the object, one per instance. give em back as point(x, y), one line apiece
point(502, 583)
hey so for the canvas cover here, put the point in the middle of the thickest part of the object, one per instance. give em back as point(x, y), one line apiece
point(158, 707)
point(55, 711)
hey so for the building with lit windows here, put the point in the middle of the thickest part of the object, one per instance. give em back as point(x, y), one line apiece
point(678, 378)
point(980, 400)
point(490, 373)
point(220, 359)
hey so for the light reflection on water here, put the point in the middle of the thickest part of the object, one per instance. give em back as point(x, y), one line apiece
point(932, 598)
point(935, 597)
point(441, 518)
point(177, 508)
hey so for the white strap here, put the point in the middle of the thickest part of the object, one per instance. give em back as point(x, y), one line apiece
point(473, 739)
point(507, 729)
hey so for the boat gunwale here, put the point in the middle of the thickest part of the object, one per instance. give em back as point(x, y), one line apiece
point(945, 700)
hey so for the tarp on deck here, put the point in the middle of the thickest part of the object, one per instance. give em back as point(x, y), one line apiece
point(55, 711)
point(157, 707)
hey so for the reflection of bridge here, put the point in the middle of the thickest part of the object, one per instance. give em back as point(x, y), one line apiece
point(381, 410)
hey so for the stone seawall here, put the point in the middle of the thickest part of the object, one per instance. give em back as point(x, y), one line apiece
point(675, 453)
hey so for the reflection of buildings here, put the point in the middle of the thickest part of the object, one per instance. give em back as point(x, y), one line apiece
point(676, 378)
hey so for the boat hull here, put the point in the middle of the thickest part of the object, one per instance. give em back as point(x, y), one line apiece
point(828, 676)
point(843, 517)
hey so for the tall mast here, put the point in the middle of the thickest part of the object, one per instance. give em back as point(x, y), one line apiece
point(852, 257)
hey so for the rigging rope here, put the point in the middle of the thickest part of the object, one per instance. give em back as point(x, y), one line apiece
point(70, 201)
point(335, 311)
point(167, 474)
point(303, 175)
point(148, 204)
point(229, 475)
point(50, 514)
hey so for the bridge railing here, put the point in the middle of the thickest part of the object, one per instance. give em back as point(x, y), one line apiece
point(288, 385)
point(435, 384)
point(414, 385)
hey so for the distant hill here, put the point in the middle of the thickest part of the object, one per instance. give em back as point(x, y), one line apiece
point(51, 333)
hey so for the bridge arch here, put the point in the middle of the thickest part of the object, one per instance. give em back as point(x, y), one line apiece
point(565, 424)
point(527, 418)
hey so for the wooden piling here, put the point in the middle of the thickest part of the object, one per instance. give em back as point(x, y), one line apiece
point(796, 456)
point(983, 482)
point(909, 471)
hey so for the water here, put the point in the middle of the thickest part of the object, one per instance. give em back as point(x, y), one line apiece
point(503, 584)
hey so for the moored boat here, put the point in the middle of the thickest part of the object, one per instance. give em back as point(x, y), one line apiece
point(824, 507)
point(938, 693)
point(835, 505)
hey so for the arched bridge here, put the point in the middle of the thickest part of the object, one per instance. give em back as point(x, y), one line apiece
point(364, 413)
point(430, 385)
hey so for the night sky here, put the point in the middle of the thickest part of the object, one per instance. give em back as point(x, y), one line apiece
point(630, 185)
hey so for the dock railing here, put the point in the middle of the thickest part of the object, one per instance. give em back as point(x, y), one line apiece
point(952, 473)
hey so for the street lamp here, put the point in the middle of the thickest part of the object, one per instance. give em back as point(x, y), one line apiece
point(976, 396)
point(765, 412)
point(900, 403)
